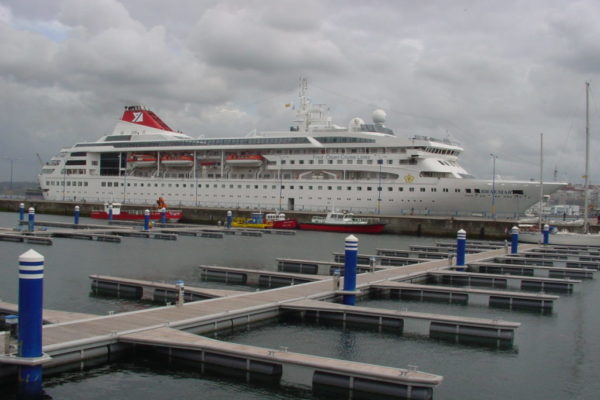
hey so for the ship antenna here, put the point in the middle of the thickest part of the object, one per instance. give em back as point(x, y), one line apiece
point(303, 114)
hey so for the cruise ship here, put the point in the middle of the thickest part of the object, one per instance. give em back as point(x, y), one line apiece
point(315, 165)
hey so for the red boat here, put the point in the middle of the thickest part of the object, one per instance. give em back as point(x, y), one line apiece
point(343, 222)
point(279, 221)
point(133, 215)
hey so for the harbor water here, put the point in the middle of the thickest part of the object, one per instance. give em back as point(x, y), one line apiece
point(555, 356)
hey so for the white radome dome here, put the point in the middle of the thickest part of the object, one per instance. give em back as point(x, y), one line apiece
point(379, 116)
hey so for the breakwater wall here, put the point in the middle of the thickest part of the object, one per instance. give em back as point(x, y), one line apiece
point(420, 225)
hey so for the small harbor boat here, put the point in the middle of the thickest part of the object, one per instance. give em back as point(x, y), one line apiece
point(279, 221)
point(118, 213)
point(336, 221)
point(256, 220)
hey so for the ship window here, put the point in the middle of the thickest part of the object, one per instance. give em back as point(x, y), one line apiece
point(329, 161)
point(328, 187)
point(79, 154)
point(340, 161)
point(445, 190)
point(390, 161)
point(300, 187)
point(75, 162)
point(184, 185)
point(349, 188)
point(69, 183)
point(274, 187)
point(468, 190)
point(400, 189)
point(369, 188)
point(264, 186)
point(301, 162)
point(412, 189)
point(433, 189)
point(359, 188)
point(456, 190)
point(292, 161)
point(141, 185)
point(199, 185)
point(320, 187)
point(359, 161)
point(422, 189)
point(339, 188)
point(390, 189)
point(282, 162)
point(291, 187)
point(311, 161)
point(369, 161)
point(517, 192)
point(477, 190)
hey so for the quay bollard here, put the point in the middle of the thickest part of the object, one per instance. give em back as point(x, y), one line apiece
point(546, 234)
point(350, 261)
point(110, 212)
point(146, 220)
point(180, 292)
point(461, 249)
point(76, 216)
point(31, 296)
point(21, 212)
point(514, 240)
point(229, 219)
point(31, 226)
point(163, 215)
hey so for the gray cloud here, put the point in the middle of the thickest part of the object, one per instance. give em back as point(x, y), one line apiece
point(492, 75)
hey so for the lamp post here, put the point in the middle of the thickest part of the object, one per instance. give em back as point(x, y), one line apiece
point(494, 157)
point(380, 162)
point(12, 161)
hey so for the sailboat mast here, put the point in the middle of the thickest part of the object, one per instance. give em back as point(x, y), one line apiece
point(541, 209)
point(587, 158)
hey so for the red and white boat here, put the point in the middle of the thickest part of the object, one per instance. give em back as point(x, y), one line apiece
point(346, 222)
point(132, 215)
point(279, 221)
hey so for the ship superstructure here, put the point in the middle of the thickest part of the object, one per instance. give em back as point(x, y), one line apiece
point(315, 165)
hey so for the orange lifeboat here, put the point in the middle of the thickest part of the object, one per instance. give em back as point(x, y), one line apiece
point(177, 160)
point(244, 160)
point(141, 160)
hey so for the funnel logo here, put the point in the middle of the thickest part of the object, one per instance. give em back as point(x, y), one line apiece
point(138, 117)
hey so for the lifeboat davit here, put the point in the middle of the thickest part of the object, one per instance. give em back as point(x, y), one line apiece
point(177, 160)
point(141, 160)
point(245, 160)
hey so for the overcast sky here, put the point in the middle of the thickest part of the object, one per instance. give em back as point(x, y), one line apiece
point(491, 75)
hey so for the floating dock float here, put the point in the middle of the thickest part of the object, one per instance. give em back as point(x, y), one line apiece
point(454, 295)
point(531, 270)
point(254, 277)
point(503, 281)
point(159, 292)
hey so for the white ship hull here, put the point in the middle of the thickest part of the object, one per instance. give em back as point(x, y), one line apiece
point(308, 195)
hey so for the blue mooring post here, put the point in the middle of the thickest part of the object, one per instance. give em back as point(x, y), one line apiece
point(229, 219)
point(76, 216)
point(546, 234)
point(31, 221)
point(514, 240)
point(350, 260)
point(110, 212)
point(21, 212)
point(31, 296)
point(163, 215)
point(146, 220)
point(461, 249)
